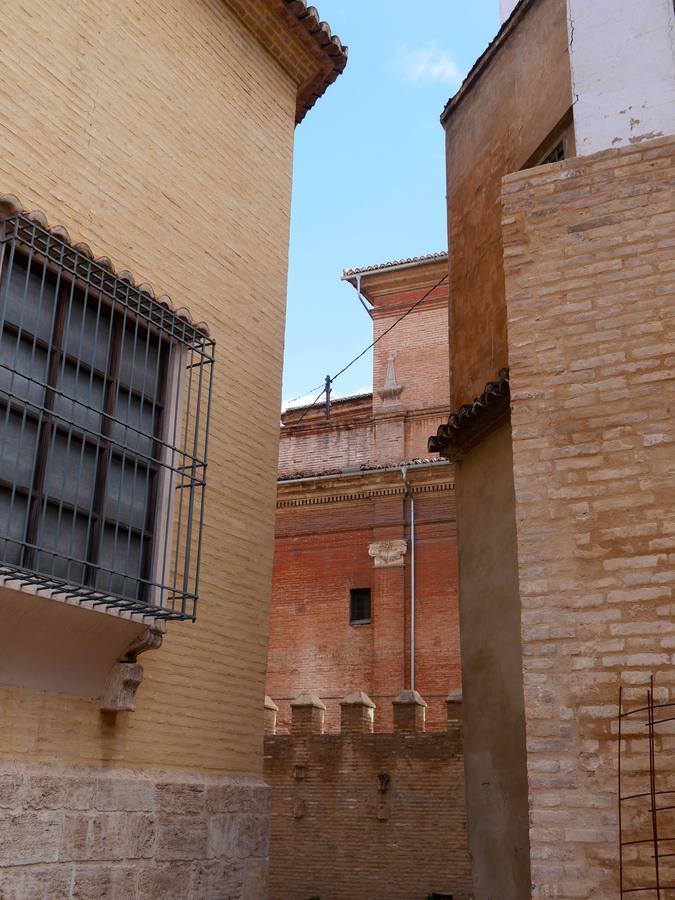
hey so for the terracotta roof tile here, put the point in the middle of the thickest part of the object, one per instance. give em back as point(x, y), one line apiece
point(472, 419)
point(363, 469)
point(329, 44)
point(10, 206)
point(410, 261)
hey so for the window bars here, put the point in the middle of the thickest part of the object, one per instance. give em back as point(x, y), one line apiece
point(104, 411)
point(646, 799)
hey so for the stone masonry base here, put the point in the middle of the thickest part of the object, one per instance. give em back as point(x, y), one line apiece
point(71, 832)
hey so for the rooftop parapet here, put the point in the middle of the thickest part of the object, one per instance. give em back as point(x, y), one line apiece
point(357, 713)
point(307, 714)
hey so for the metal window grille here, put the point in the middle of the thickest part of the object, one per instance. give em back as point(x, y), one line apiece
point(104, 412)
point(646, 797)
point(359, 606)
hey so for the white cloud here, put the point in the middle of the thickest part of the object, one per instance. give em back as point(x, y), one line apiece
point(429, 63)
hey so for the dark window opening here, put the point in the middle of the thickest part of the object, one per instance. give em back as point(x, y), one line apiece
point(359, 606)
point(556, 155)
point(103, 422)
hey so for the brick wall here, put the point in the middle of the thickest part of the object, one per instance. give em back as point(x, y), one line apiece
point(372, 430)
point(505, 112)
point(130, 177)
point(161, 133)
point(589, 281)
point(342, 832)
point(324, 530)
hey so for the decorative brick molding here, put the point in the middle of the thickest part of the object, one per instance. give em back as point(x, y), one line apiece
point(387, 554)
point(139, 835)
point(391, 390)
point(368, 813)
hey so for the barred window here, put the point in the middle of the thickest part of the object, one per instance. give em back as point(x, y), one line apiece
point(359, 606)
point(104, 406)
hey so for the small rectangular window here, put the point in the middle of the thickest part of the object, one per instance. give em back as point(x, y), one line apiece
point(557, 154)
point(359, 606)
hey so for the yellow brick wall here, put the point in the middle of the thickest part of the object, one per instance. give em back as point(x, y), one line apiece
point(161, 133)
point(590, 279)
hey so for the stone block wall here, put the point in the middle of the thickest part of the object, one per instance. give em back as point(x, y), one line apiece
point(124, 835)
point(590, 284)
point(359, 815)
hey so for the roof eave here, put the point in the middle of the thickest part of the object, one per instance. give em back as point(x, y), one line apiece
point(484, 60)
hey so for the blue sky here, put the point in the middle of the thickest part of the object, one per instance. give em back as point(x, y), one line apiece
point(369, 182)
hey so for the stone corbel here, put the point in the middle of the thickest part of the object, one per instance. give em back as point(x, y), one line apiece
point(126, 675)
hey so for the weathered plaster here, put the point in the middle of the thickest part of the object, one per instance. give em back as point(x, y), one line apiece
point(622, 57)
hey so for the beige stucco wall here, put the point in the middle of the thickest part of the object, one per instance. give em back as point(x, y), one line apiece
point(492, 686)
point(161, 133)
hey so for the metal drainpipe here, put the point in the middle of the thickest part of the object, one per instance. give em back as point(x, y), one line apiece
point(404, 473)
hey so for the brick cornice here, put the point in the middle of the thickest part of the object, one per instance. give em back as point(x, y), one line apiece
point(362, 486)
point(302, 44)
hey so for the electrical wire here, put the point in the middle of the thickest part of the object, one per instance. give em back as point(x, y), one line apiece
point(295, 399)
point(369, 347)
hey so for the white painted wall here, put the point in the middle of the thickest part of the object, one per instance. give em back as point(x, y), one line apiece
point(506, 7)
point(622, 56)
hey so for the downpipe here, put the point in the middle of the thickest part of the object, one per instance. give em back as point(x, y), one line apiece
point(410, 495)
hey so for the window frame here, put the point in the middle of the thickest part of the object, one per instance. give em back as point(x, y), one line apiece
point(353, 598)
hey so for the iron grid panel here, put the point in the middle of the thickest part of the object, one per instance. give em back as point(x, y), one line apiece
point(104, 410)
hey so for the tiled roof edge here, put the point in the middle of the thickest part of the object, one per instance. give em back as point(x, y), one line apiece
point(12, 206)
point(362, 470)
point(486, 56)
point(496, 394)
point(330, 45)
point(411, 260)
point(348, 399)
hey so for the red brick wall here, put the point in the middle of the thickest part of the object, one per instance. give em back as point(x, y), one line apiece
point(421, 344)
point(337, 836)
point(321, 552)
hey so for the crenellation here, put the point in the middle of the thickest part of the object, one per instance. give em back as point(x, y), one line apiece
point(350, 809)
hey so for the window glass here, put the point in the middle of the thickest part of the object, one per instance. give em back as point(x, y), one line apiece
point(91, 501)
point(17, 447)
point(71, 472)
point(13, 508)
point(28, 300)
point(23, 370)
point(88, 331)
